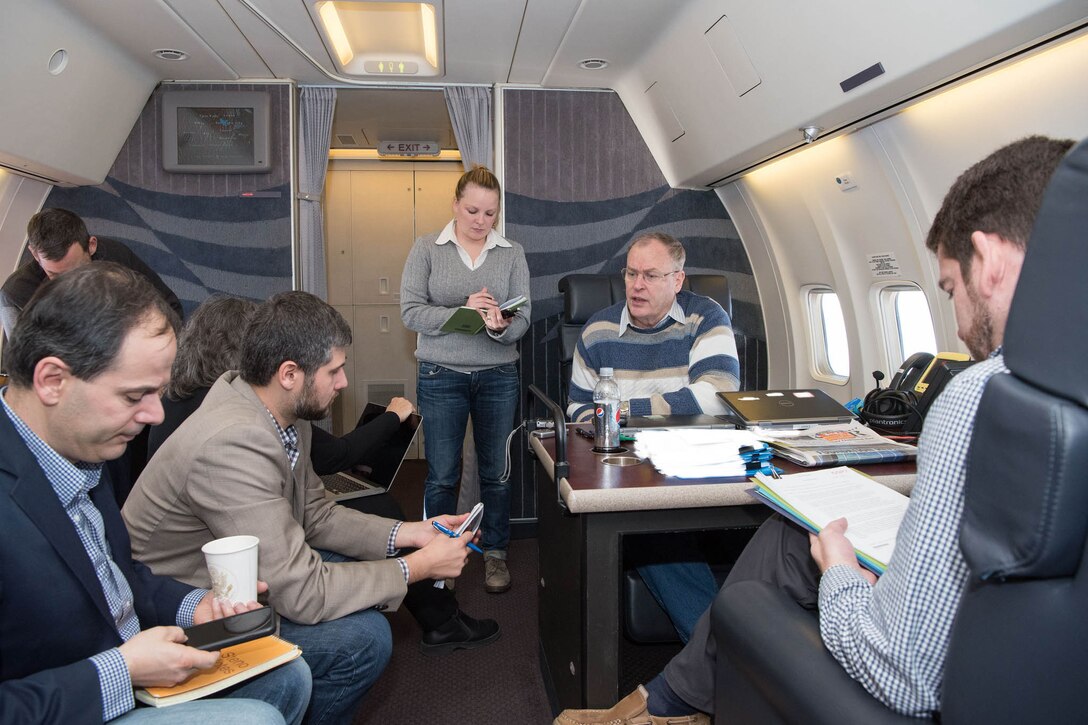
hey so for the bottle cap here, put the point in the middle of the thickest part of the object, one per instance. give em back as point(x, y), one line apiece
point(606, 372)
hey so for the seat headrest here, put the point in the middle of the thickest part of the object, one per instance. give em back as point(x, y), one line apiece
point(586, 294)
point(1045, 338)
point(714, 286)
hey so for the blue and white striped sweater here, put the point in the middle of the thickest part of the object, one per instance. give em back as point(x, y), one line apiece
point(675, 369)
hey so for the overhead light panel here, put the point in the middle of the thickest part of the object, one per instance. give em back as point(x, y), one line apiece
point(367, 38)
point(335, 30)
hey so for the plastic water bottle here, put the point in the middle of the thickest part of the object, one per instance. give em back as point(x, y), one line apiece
point(606, 416)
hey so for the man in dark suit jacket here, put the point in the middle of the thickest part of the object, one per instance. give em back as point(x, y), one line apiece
point(59, 242)
point(81, 623)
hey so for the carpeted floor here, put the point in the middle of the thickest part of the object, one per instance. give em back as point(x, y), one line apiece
point(500, 683)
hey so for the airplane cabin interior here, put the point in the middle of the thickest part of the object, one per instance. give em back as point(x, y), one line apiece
point(800, 152)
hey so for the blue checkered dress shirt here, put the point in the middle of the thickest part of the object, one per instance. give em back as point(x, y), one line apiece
point(893, 637)
point(72, 483)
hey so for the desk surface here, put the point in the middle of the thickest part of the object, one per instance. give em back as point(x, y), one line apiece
point(593, 486)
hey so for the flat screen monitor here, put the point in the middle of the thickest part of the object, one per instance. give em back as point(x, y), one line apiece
point(215, 132)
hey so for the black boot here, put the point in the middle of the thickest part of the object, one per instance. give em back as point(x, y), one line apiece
point(460, 632)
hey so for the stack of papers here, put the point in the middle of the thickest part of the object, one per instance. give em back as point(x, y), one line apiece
point(814, 499)
point(822, 445)
point(702, 452)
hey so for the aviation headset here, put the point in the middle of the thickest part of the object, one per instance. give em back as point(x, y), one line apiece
point(888, 410)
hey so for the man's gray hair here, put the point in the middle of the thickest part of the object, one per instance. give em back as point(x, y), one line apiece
point(671, 244)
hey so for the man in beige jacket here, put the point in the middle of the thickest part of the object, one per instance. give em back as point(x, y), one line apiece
point(241, 465)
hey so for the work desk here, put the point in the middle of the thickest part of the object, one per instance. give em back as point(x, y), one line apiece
point(594, 487)
point(582, 519)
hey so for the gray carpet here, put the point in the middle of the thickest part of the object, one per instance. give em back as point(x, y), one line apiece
point(500, 683)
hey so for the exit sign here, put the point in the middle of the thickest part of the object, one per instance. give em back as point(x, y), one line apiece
point(408, 148)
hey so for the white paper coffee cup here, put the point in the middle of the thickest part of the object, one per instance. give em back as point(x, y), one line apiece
point(232, 566)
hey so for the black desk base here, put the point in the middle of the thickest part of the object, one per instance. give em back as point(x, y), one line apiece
point(580, 597)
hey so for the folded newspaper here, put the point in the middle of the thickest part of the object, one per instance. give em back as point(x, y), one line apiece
point(847, 444)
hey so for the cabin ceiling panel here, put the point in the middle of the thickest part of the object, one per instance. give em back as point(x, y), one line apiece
point(263, 21)
point(212, 23)
point(481, 37)
point(150, 25)
point(801, 53)
point(542, 30)
point(616, 30)
point(66, 125)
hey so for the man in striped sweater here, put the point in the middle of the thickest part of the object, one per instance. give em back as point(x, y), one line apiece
point(671, 352)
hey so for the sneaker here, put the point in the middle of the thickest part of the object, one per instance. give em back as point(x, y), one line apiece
point(496, 575)
point(631, 710)
point(460, 632)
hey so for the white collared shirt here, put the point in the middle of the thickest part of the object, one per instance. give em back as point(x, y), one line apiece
point(675, 312)
point(494, 239)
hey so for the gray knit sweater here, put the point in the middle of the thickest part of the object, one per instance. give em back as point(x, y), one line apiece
point(436, 282)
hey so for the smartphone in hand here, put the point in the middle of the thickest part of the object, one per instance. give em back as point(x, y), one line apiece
point(472, 524)
point(232, 630)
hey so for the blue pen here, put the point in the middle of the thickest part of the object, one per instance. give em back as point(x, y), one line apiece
point(455, 535)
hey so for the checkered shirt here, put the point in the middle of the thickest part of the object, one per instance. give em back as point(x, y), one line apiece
point(72, 484)
point(893, 637)
point(289, 439)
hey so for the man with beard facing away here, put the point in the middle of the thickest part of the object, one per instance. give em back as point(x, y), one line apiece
point(241, 465)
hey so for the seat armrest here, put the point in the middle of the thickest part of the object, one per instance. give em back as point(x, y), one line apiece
point(773, 666)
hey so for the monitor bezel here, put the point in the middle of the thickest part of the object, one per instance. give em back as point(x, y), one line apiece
point(257, 101)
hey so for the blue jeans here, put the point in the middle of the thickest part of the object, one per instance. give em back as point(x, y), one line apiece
point(446, 400)
point(278, 696)
point(346, 656)
point(681, 582)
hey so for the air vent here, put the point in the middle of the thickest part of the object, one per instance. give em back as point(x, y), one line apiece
point(593, 64)
point(170, 54)
point(345, 139)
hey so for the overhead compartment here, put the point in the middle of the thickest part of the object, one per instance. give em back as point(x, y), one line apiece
point(741, 80)
point(70, 96)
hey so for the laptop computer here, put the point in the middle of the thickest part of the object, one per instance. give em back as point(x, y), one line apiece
point(656, 422)
point(784, 408)
point(381, 471)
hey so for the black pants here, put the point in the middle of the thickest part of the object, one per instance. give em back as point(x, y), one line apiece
point(777, 554)
point(430, 606)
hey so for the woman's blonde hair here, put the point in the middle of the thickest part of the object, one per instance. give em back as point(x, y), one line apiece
point(482, 177)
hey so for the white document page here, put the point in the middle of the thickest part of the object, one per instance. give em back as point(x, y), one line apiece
point(873, 512)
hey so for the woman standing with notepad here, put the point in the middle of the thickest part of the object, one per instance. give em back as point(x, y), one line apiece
point(468, 264)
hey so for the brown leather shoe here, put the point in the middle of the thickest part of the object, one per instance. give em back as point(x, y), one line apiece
point(631, 710)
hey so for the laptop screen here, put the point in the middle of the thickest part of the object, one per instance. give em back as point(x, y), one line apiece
point(385, 461)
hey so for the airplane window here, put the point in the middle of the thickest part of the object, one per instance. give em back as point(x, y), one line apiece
point(831, 351)
point(908, 322)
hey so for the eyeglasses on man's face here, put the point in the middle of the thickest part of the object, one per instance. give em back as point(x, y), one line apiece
point(650, 276)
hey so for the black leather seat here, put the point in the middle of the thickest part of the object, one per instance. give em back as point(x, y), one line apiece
point(1019, 648)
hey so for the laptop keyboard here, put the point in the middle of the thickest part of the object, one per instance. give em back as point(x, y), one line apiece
point(338, 484)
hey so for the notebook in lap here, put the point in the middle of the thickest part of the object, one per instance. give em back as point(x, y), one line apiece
point(382, 468)
point(784, 408)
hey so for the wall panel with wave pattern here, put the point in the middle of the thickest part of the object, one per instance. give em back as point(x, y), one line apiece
point(197, 231)
point(579, 183)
